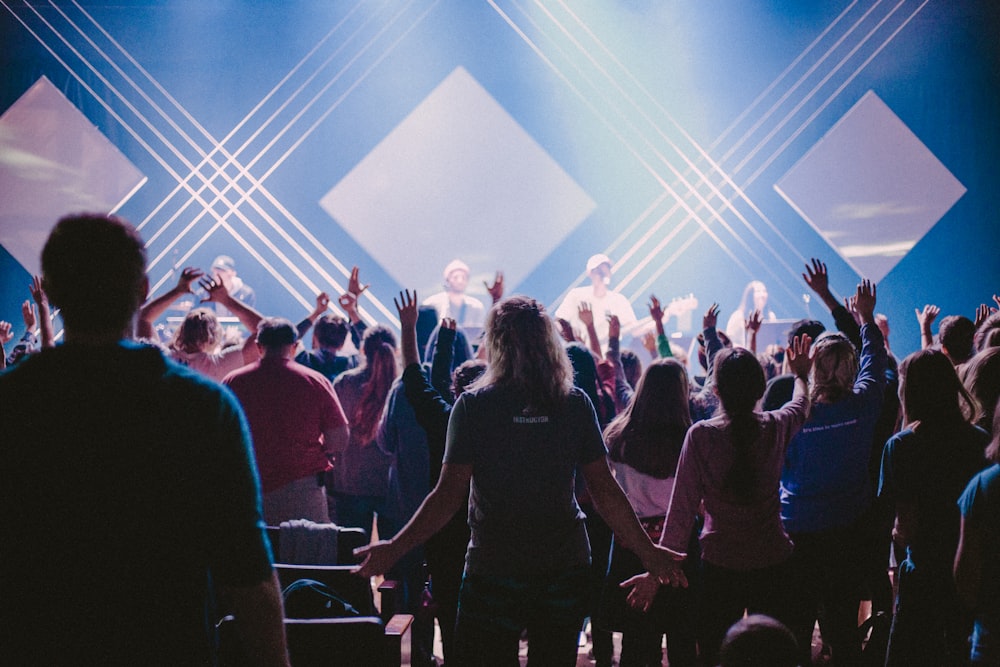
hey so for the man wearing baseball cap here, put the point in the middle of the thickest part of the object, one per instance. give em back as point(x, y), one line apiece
point(468, 312)
point(603, 301)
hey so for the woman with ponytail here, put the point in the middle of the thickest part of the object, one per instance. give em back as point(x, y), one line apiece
point(358, 483)
point(730, 466)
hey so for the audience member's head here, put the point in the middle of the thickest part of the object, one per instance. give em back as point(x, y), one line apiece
point(931, 393)
point(94, 271)
point(276, 336)
point(647, 435)
point(812, 328)
point(374, 338)
point(456, 276)
point(739, 379)
point(981, 376)
point(956, 333)
point(988, 333)
point(525, 352)
point(330, 332)
point(834, 368)
point(465, 374)
point(199, 332)
point(759, 641)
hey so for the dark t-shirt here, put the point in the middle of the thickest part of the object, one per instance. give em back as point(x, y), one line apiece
point(128, 486)
point(522, 507)
point(980, 504)
point(929, 468)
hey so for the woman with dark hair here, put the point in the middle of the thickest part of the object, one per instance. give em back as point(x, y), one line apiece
point(358, 483)
point(977, 560)
point(730, 466)
point(644, 444)
point(519, 435)
point(925, 467)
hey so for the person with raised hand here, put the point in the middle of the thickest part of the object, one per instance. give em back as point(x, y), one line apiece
point(730, 466)
point(826, 485)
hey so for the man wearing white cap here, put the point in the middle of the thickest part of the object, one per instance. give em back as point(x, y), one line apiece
point(603, 302)
point(468, 312)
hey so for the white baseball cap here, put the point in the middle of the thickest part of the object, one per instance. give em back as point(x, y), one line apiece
point(596, 260)
point(455, 265)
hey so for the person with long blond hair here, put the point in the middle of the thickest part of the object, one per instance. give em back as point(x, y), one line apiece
point(519, 435)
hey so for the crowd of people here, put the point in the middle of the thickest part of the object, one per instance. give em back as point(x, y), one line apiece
point(527, 479)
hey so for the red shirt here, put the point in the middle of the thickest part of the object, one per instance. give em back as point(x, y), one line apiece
point(289, 407)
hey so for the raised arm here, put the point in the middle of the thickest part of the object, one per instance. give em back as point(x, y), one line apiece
point(752, 326)
point(925, 318)
point(496, 289)
point(5, 337)
point(446, 498)
point(322, 303)
point(656, 314)
point(406, 306)
point(441, 359)
point(247, 316)
point(587, 317)
point(818, 280)
point(154, 308)
point(44, 313)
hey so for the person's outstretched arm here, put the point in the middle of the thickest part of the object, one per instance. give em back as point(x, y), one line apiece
point(447, 497)
point(45, 332)
point(247, 316)
point(586, 316)
point(925, 318)
point(818, 280)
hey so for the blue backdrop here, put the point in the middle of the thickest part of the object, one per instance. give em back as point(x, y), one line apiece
point(699, 144)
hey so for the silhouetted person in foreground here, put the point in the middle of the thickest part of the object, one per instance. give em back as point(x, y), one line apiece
point(128, 484)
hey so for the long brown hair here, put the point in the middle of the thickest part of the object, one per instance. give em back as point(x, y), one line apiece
point(931, 393)
point(739, 383)
point(379, 351)
point(526, 354)
point(647, 435)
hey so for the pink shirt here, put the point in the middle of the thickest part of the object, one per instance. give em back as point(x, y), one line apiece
point(736, 536)
point(289, 407)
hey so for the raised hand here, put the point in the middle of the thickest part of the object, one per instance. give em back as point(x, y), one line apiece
point(754, 321)
point(188, 276)
point(28, 315)
point(406, 305)
point(349, 302)
point(817, 277)
point(882, 322)
point(927, 316)
point(798, 355)
point(6, 332)
point(354, 285)
point(614, 327)
point(446, 322)
point(215, 290)
point(37, 293)
point(711, 317)
point(585, 314)
point(864, 301)
point(496, 289)
point(655, 309)
point(566, 330)
point(982, 312)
